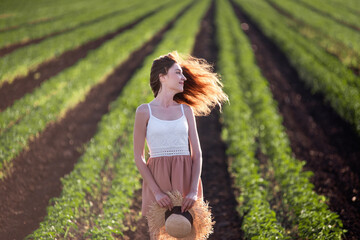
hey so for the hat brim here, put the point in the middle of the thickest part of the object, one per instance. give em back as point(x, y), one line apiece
point(202, 219)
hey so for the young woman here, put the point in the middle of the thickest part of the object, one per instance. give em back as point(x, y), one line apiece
point(183, 87)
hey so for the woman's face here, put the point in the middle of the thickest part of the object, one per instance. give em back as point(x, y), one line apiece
point(174, 79)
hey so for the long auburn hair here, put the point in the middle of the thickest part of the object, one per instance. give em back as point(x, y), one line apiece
point(202, 89)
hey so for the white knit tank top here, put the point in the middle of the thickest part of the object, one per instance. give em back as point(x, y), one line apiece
point(167, 137)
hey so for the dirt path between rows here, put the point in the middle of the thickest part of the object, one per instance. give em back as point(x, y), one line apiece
point(9, 92)
point(25, 194)
point(216, 180)
point(317, 134)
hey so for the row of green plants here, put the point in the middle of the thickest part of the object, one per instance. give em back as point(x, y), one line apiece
point(306, 37)
point(334, 11)
point(352, 6)
point(316, 68)
point(350, 37)
point(348, 57)
point(111, 150)
point(309, 212)
point(22, 12)
point(259, 220)
point(28, 116)
point(21, 61)
point(90, 11)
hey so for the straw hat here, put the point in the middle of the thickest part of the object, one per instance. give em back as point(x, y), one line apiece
point(194, 224)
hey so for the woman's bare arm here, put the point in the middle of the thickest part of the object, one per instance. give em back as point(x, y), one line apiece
point(196, 155)
point(141, 118)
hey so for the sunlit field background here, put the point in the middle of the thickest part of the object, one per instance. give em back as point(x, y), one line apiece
point(280, 160)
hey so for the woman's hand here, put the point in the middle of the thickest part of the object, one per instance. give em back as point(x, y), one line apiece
point(188, 201)
point(163, 200)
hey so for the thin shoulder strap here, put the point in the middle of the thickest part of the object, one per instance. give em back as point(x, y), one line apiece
point(182, 109)
point(149, 108)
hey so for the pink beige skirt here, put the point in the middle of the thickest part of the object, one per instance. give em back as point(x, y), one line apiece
point(170, 173)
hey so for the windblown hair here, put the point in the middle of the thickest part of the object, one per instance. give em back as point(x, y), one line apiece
point(202, 89)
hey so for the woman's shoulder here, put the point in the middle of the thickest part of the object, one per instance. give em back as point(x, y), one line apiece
point(187, 108)
point(188, 111)
point(142, 109)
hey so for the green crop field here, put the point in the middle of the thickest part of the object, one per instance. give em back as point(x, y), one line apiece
point(72, 74)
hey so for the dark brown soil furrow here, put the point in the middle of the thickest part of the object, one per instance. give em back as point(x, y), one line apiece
point(217, 182)
point(10, 48)
point(36, 173)
point(9, 92)
point(318, 135)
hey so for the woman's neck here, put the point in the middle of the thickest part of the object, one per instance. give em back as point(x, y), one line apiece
point(165, 99)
